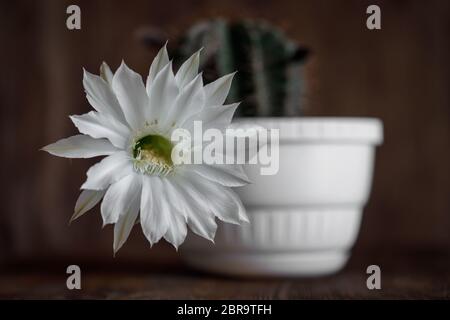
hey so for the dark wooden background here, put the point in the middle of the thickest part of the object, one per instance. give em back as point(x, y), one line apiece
point(399, 74)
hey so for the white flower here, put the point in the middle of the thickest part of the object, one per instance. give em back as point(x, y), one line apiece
point(138, 182)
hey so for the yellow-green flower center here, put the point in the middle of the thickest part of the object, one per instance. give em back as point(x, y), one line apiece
point(153, 155)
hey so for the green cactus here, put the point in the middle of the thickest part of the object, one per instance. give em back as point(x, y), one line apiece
point(270, 78)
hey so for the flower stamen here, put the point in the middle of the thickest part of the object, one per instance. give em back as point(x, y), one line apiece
point(153, 155)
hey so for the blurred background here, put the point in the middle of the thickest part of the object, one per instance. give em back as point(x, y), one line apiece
point(399, 74)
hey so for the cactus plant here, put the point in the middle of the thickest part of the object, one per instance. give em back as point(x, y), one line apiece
point(270, 78)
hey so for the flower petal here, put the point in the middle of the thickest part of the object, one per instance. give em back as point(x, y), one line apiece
point(176, 199)
point(101, 96)
point(226, 207)
point(242, 212)
point(162, 93)
point(160, 61)
point(216, 92)
point(108, 171)
point(229, 175)
point(217, 117)
point(200, 217)
point(86, 201)
point(106, 73)
point(119, 197)
point(80, 146)
point(99, 126)
point(188, 102)
point(177, 230)
point(126, 222)
point(188, 70)
point(155, 209)
point(130, 92)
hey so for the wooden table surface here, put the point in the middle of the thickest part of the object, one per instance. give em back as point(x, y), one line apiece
point(405, 274)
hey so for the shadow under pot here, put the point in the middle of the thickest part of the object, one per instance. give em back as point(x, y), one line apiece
point(305, 219)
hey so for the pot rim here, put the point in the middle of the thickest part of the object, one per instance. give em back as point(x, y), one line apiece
point(321, 129)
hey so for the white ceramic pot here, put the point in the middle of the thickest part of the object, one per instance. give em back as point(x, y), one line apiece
point(305, 219)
